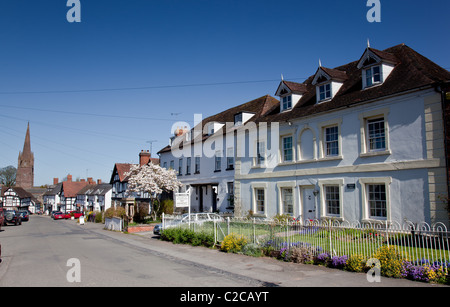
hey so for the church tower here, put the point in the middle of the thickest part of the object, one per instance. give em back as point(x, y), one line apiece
point(25, 166)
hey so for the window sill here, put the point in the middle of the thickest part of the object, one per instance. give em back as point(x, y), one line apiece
point(230, 169)
point(374, 153)
point(331, 158)
point(217, 171)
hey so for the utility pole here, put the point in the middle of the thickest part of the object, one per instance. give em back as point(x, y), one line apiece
point(151, 145)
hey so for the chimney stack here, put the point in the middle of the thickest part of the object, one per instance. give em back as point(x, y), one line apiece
point(144, 157)
point(55, 181)
point(99, 181)
point(90, 181)
point(69, 178)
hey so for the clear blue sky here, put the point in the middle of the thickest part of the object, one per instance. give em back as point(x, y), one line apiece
point(95, 92)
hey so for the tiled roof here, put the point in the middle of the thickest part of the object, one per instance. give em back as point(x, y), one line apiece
point(71, 188)
point(412, 71)
point(260, 107)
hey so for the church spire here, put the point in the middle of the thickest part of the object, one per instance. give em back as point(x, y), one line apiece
point(27, 144)
point(25, 165)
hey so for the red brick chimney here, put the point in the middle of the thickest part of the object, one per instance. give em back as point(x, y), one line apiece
point(69, 178)
point(90, 181)
point(144, 157)
point(55, 181)
point(99, 181)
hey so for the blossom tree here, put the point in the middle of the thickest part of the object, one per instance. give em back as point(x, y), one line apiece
point(152, 179)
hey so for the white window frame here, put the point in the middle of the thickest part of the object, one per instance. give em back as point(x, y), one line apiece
point(257, 187)
point(323, 200)
point(282, 186)
point(365, 182)
point(282, 149)
point(364, 118)
point(230, 158)
point(218, 161)
point(188, 165)
point(323, 140)
point(328, 93)
point(369, 75)
point(286, 103)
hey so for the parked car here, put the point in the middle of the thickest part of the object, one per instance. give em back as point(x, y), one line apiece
point(58, 215)
point(76, 214)
point(12, 217)
point(2, 218)
point(196, 218)
point(24, 215)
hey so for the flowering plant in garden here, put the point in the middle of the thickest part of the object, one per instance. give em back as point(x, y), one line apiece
point(424, 271)
point(339, 261)
point(152, 179)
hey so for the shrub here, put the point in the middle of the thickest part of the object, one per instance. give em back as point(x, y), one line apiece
point(282, 218)
point(390, 260)
point(98, 217)
point(233, 243)
point(339, 261)
point(253, 250)
point(115, 212)
point(301, 255)
point(356, 263)
point(322, 259)
point(187, 236)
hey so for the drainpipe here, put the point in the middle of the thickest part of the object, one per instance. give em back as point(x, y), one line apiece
point(444, 89)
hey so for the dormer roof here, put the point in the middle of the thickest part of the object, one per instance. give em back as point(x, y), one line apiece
point(288, 87)
point(326, 74)
point(371, 56)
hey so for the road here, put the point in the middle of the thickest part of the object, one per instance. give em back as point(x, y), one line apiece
point(36, 254)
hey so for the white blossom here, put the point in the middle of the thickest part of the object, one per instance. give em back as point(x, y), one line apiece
point(151, 178)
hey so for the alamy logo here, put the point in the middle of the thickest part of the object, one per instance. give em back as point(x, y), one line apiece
point(247, 140)
point(74, 13)
point(74, 273)
point(374, 14)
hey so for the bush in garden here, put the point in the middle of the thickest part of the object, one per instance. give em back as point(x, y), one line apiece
point(425, 272)
point(187, 236)
point(356, 263)
point(301, 255)
point(253, 250)
point(98, 217)
point(391, 261)
point(233, 243)
point(339, 262)
point(115, 212)
point(322, 259)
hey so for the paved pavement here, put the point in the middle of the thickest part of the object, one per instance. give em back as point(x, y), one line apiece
point(263, 271)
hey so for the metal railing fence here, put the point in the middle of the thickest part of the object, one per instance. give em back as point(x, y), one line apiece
point(418, 243)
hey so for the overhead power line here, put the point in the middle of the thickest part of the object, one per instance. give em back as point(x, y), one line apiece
point(141, 87)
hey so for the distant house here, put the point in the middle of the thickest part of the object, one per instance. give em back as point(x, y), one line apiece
point(95, 197)
point(210, 176)
point(119, 183)
point(17, 198)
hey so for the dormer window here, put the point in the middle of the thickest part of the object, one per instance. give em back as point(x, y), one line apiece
point(290, 94)
point(328, 82)
point(238, 119)
point(373, 76)
point(242, 117)
point(287, 102)
point(325, 91)
point(376, 67)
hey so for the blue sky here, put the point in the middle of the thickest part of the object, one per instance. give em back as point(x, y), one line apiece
point(97, 91)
